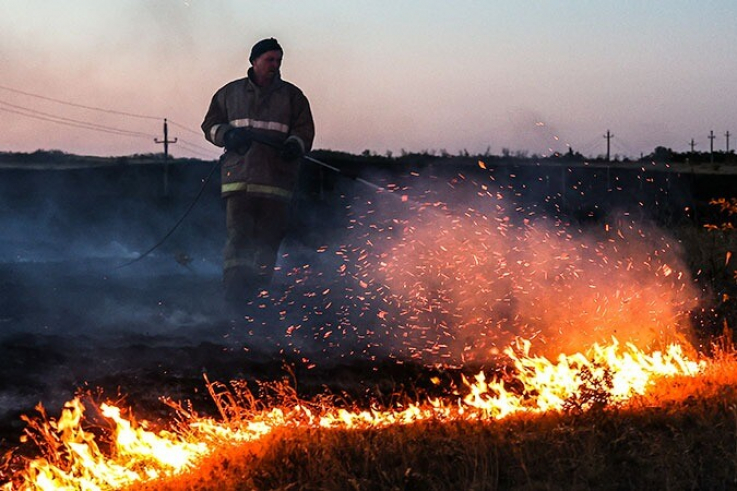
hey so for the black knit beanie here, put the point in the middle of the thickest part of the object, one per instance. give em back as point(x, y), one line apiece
point(262, 47)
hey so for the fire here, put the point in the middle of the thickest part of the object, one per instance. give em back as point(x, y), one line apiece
point(617, 374)
point(74, 460)
point(608, 374)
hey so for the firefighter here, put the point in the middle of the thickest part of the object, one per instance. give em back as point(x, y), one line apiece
point(246, 116)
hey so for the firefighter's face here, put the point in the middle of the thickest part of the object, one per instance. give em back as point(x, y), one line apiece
point(266, 66)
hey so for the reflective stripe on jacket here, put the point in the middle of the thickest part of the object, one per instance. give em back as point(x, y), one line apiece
point(278, 112)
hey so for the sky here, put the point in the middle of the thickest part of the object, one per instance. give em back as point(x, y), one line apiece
point(97, 77)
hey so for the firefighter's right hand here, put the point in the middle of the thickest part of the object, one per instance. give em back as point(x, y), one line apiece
point(237, 140)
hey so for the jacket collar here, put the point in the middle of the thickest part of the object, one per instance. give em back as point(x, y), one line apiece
point(275, 84)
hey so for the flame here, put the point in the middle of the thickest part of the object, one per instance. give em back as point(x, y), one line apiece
point(76, 461)
point(609, 374)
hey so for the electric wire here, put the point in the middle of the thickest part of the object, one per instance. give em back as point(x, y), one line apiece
point(196, 145)
point(190, 147)
point(174, 123)
point(82, 106)
point(589, 146)
point(618, 143)
point(74, 123)
point(194, 148)
point(100, 109)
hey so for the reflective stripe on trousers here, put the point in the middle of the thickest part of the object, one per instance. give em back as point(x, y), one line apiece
point(262, 189)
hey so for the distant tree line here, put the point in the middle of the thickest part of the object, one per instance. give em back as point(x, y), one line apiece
point(659, 154)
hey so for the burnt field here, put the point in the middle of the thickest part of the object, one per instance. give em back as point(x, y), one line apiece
point(342, 313)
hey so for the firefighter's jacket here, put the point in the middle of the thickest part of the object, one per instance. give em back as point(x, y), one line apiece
point(276, 113)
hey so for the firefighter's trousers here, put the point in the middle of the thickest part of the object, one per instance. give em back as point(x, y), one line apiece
point(256, 226)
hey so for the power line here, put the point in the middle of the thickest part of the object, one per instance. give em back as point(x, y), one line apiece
point(174, 123)
point(75, 123)
point(82, 106)
point(193, 147)
point(192, 144)
point(94, 108)
point(623, 145)
point(55, 118)
point(590, 145)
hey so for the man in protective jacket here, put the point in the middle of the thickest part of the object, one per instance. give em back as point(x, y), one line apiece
point(266, 126)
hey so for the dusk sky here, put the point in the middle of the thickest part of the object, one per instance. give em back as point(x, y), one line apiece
point(532, 76)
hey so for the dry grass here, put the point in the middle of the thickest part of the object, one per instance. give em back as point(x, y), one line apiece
point(682, 436)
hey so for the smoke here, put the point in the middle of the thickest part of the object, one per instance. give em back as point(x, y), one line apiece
point(67, 232)
point(456, 273)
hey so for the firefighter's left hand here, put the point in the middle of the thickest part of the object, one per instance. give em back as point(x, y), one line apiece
point(237, 140)
point(291, 151)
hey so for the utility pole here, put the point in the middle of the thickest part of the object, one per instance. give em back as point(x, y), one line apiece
point(166, 143)
point(608, 137)
point(727, 134)
point(692, 145)
point(711, 146)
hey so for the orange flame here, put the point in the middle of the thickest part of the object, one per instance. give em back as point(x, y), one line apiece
point(612, 372)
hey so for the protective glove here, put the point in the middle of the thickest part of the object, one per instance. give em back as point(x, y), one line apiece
point(291, 150)
point(238, 140)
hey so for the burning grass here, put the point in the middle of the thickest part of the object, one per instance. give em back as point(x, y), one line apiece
point(612, 417)
point(650, 448)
